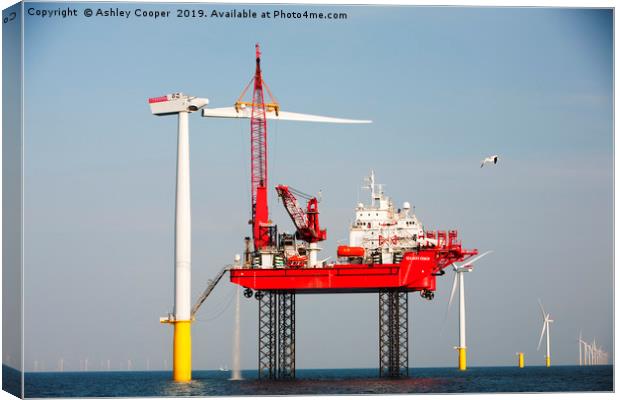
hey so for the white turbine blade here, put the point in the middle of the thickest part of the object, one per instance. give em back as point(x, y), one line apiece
point(449, 302)
point(453, 291)
point(225, 112)
point(478, 257)
point(542, 333)
point(291, 116)
point(544, 314)
point(231, 112)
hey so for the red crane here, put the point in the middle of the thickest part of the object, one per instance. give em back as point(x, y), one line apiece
point(258, 149)
point(306, 222)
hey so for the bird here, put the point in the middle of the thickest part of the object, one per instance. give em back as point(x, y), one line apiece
point(491, 159)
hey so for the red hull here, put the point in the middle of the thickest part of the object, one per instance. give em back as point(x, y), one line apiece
point(417, 271)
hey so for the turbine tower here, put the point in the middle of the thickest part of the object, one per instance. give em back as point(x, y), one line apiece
point(588, 353)
point(546, 321)
point(181, 105)
point(580, 341)
point(459, 278)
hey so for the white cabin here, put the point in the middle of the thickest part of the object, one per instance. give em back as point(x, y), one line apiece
point(379, 228)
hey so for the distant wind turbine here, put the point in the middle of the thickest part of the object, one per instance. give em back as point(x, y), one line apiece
point(546, 321)
point(467, 266)
point(580, 341)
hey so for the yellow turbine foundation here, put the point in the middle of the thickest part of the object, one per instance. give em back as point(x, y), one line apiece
point(521, 363)
point(462, 358)
point(547, 361)
point(182, 352)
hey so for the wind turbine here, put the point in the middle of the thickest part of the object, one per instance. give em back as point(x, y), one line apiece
point(458, 276)
point(181, 105)
point(587, 353)
point(595, 352)
point(546, 321)
point(580, 341)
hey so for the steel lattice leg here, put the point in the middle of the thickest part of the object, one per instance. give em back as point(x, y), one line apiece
point(267, 324)
point(276, 335)
point(384, 333)
point(403, 334)
point(286, 335)
point(393, 333)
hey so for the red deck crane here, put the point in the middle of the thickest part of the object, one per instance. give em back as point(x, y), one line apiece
point(258, 142)
point(306, 222)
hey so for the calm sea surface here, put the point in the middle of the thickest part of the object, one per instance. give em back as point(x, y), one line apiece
point(322, 381)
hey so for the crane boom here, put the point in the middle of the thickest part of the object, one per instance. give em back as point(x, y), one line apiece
point(258, 143)
point(306, 222)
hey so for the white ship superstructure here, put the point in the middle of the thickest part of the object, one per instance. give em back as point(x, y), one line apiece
point(382, 230)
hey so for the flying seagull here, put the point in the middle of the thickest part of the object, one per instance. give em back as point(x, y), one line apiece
point(489, 160)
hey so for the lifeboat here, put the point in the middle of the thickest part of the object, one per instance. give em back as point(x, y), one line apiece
point(350, 251)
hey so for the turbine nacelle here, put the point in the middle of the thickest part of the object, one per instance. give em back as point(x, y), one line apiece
point(468, 266)
point(463, 268)
point(175, 103)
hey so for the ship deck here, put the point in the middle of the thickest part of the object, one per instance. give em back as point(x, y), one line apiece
point(417, 271)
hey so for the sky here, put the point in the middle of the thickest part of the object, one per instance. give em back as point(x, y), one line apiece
point(445, 87)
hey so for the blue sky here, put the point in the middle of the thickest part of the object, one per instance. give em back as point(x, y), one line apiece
point(444, 86)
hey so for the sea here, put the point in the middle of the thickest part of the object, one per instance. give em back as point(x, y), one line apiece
point(315, 382)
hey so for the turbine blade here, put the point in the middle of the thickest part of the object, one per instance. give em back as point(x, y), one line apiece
point(291, 116)
point(453, 291)
point(231, 112)
point(445, 319)
point(544, 314)
point(542, 333)
point(478, 257)
point(225, 112)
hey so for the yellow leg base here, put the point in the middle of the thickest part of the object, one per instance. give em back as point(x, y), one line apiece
point(462, 358)
point(548, 361)
point(521, 362)
point(182, 352)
